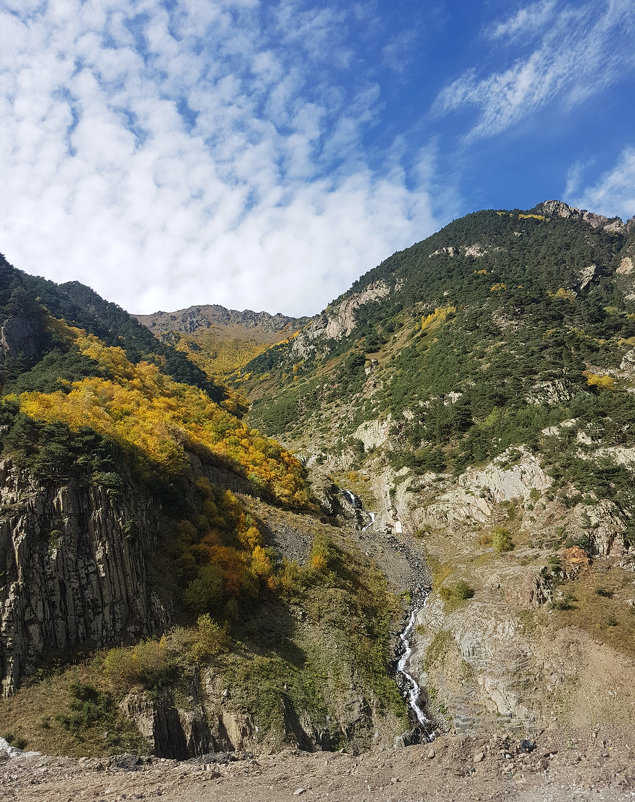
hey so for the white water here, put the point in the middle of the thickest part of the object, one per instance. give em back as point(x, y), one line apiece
point(14, 752)
point(402, 668)
point(414, 691)
point(352, 499)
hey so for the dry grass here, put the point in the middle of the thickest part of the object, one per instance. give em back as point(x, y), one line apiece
point(600, 606)
point(32, 715)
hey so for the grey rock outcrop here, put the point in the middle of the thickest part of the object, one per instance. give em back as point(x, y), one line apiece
point(161, 724)
point(73, 571)
point(335, 323)
point(605, 526)
point(556, 208)
point(20, 336)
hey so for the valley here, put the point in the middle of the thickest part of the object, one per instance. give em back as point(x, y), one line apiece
point(212, 539)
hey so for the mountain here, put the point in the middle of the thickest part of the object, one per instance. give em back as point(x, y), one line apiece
point(478, 391)
point(457, 455)
point(167, 583)
point(219, 340)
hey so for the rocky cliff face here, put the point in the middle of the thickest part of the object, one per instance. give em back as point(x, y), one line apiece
point(73, 571)
point(212, 721)
point(21, 336)
point(337, 322)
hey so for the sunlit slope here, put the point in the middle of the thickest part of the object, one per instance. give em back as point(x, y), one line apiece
point(220, 341)
point(476, 339)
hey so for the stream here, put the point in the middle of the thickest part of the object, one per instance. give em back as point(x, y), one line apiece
point(413, 690)
point(423, 729)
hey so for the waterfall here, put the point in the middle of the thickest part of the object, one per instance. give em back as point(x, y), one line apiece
point(423, 727)
point(372, 520)
point(413, 689)
point(352, 499)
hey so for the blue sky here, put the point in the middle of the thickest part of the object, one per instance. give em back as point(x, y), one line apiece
point(264, 154)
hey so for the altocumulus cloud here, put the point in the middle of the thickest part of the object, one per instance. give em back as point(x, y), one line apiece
point(187, 152)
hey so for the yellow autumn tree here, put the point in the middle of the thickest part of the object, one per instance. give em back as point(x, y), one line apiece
point(139, 406)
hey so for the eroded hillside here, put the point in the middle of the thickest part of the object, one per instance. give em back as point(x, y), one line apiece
point(175, 581)
point(477, 391)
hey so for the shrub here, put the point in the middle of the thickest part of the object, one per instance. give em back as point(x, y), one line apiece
point(209, 638)
point(324, 557)
point(457, 593)
point(502, 540)
point(199, 643)
point(205, 592)
point(149, 663)
point(289, 577)
point(566, 602)
point(88, 706)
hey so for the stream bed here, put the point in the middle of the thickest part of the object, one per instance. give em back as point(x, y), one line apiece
point(423, 729)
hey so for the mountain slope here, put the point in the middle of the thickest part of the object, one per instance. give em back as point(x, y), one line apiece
point(140, 524)
point(428, 323)
point(221, 340)
point(477, 390)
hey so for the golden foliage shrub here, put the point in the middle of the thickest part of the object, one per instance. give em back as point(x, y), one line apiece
point(141, 407)
point(149, 663)
point(599, 382)
point(439, 316)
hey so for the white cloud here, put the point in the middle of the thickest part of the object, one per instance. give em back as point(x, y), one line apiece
point(397, 53)
point(582, 50)
point(614, 193)
point(525, 21)
point(106, 179)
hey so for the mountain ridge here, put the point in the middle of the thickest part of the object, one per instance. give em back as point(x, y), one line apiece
point(192, 318)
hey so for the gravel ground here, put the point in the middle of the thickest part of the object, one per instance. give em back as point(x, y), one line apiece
point(594, 767)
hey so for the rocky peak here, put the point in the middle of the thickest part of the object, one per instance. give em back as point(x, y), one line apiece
point(556, 208)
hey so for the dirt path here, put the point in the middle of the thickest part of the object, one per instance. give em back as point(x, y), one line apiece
point(559, 768)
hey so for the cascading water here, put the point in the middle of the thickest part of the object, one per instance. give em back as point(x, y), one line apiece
point(423, 729)
point(353, 500)
point(412, 687)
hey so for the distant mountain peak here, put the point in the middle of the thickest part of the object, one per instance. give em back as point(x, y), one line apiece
point(189, 320)
point(558, 208)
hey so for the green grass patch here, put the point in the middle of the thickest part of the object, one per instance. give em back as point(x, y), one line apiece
point(437, 649)
point(456, 594)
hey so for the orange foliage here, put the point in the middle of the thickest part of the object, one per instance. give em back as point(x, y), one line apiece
point(221, 559)
point(439, 316)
